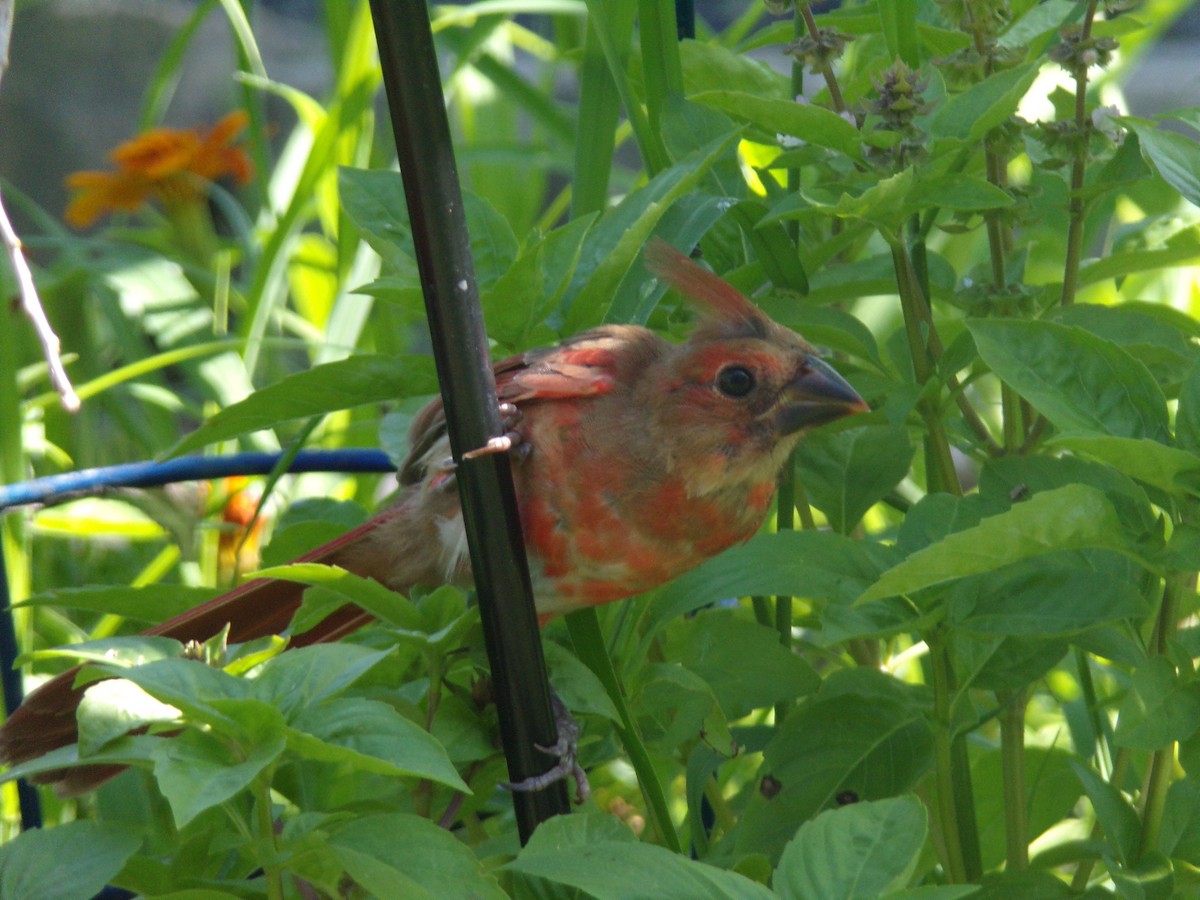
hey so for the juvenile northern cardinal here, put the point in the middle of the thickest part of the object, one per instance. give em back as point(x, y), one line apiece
point(636, 459)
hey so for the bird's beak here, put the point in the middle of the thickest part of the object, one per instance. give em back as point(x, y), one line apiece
point(816, 395)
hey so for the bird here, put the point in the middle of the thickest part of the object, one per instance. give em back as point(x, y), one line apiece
point(634, 460)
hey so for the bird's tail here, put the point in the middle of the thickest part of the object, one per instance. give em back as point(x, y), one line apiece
point(46, 719)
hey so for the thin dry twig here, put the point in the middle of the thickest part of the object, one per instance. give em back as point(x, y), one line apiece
point(32, 304)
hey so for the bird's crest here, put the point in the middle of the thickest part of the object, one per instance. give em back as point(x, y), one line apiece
point(717, 300)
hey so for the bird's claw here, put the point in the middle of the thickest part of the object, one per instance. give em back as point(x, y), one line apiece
point(509, 442)
point(566, 751)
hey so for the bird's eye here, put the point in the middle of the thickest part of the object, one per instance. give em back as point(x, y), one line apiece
point(735, 381)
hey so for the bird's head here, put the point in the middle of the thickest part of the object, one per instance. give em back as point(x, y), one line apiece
point(742, 391)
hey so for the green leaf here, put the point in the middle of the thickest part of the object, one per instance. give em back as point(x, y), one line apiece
point(198, 770)
point(1176, 157)
point(1047, 597)
point(1166, 468)
point(810, 123)
point(132, 650)
point(970, 115)
point(958, 191)
point(374, 201)
point(302, 678)
point(151, 603)
point(1181, 821)
point(1051, 790)
point(1121, 826)
point(1069, 518)
point(826, 327)
point(400, 855)
point(518, 303)
point(812, 564)
point(1187, 417)
point(681, 707)
point(1150, 877)
point(580, 853)
point(75, 859)
point(125, 751)
point(381, 602)
point(1164, 706)
point(1180, 249)
point(1078, 381)
point(187, 684)
point(710, 66)
point(886, 204)
point(743, 662)
point(899, 21)
point(324, 389)
point(847, 472)
point(1158, 336)
point(859, 852)
point(576, 684)
point(607, 283)
point(114, 707)
point(371, 737)
point(863, 732)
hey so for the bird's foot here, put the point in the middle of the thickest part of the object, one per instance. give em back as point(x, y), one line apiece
point(510, 442)
point(566, 751)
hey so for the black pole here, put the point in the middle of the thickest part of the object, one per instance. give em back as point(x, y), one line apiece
point(460, 350)
point(10, 677)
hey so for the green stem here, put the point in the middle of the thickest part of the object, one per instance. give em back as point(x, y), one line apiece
point(831, 82)
point(956, 870)
point(1012, 756)
point(1078, 171)
point(584, 627)
point(1163, 762)
point(1102, 752)
point(266, 834)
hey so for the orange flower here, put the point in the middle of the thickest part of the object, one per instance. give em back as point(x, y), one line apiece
point(166, 164)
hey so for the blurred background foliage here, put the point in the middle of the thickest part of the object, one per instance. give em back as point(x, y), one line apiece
point(277, 244)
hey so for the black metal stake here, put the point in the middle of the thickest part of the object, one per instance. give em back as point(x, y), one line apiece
point(422, 133)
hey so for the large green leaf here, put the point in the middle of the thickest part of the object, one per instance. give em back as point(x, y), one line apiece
point(603, 860)
point(346, 383)
point(859, 852)
point(1166, 468)
point(806, 121)
point(370, 736)
point(607, 282)
point(1176, 157)
point(812, 564)
point(744, 663)
point(149, 603)
point(401, 855)
point(971, 114)
point(1047, 597)
point(198, 770)
point(295, 681)
point(1068, 518)
point(1162, 707)
point(863, 732)
point(1078, 381)
point(847, 472)
point(75, 859)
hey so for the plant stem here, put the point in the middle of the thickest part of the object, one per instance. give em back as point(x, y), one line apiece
point(1078, 171)
point(266, 833)
point(1163, 762)
point(584, 628)
point(940, 472)
point(1012, 755)
point(956, 870)
point(831, 82)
